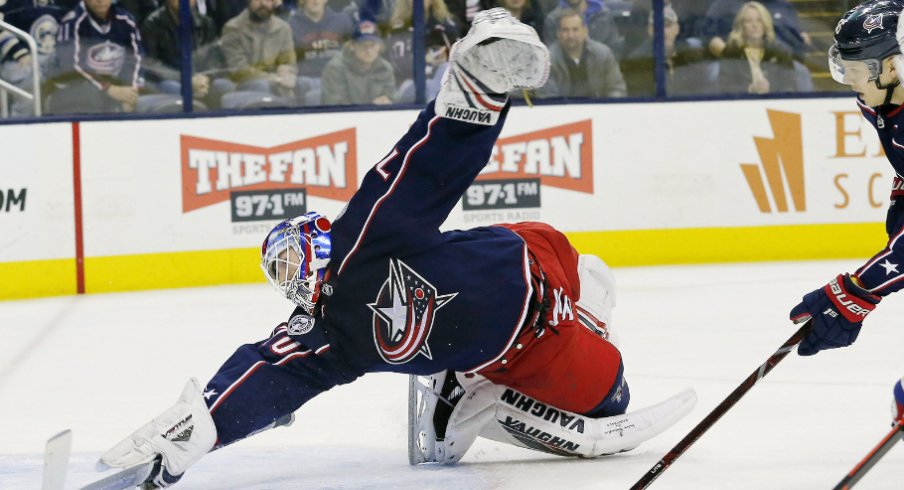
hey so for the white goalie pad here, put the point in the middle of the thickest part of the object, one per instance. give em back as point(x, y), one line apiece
point(506, 415)
point(597, 299)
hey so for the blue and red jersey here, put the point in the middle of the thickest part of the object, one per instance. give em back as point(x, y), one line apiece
point(103, 51)
point(399, 294)
point(883, 274)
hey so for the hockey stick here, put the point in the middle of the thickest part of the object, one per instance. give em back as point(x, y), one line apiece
point(723, 407)
point(872, 458)
point(56, 460)
point(128, 478)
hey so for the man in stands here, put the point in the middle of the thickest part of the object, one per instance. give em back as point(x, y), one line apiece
point(163, 47)
point(319, 33)
point(581, 67)
point(97, 66)
point(257, 47)
point(510, 320)
point(40, 19)
point(598, 19)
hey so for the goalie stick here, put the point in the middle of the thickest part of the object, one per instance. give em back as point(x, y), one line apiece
point(128, 478)
point(56, 460)
point(723, 407)
point(890, 439)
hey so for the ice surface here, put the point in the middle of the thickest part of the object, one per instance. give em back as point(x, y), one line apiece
point(102, 365)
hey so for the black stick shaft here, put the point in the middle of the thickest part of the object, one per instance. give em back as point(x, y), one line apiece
point(723, 407)
point(872, 458)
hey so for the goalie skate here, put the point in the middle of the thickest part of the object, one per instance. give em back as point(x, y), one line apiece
point(498, 54)
point(430, 403)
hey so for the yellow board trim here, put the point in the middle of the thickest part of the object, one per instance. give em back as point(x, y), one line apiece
point(35, 278)
point(739, 244)
point(172, 270)
point(617, 248)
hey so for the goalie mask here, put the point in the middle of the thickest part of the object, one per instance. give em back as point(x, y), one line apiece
point(294, 257)
point(864, 37)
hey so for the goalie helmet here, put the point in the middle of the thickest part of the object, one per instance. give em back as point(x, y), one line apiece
point(865, 36)
point(294, 257)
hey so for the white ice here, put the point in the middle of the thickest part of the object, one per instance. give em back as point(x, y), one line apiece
point(102, 365)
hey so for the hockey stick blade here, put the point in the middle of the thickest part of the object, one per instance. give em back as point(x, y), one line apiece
point(717, 413)
point(872, 458)
point(56, 460)
point(128, 478)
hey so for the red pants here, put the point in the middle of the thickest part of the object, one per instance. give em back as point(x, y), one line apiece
point(569, 366)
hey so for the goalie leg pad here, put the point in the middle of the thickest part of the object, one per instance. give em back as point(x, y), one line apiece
point(523, 421)
point(594, 308)
point(181, 435)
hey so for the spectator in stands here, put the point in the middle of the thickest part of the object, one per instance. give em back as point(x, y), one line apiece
point(436, 62)
point(258, 49)
point(720, 21)
point(358, 74)
point(163, 63)
point(400, 33)
point(753, 61)
point(463, 11)
point(527, 11)
point(685, 67)
point(41, 19)
point(597, 17)
point(140, 9)
point(580, 66)
point(319, 33)
point(97, 63)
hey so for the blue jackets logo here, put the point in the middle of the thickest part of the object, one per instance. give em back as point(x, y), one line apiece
point(403, 314)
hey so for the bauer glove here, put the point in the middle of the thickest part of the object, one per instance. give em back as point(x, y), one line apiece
point(837, 310)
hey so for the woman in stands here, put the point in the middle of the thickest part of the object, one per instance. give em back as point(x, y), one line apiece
point(754, 61)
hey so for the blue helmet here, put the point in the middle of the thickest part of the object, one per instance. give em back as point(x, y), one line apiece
point(864, 36)
point(294, 257)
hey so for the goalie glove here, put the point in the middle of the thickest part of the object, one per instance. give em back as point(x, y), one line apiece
point(838, 310)
point(174, 440)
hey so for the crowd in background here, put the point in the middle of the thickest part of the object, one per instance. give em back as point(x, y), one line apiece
point(101, 56)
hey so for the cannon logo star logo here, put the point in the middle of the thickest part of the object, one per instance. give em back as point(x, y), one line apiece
point(403, 314)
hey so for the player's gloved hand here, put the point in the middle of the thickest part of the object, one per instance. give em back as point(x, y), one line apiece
point(174, 440)
point(837, 310)
point(897, 404)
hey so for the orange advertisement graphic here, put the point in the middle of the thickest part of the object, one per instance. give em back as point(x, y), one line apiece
point(561, 156)
point(782, 162)
point(325, 165)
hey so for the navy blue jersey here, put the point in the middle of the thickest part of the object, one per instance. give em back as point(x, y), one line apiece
point(39, 18)
point(399, 295)
point(883, 273)
point(104, 52)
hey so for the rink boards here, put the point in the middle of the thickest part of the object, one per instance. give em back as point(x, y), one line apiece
point(128, 205)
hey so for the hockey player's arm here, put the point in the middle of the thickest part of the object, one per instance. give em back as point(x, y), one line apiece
point(258, 388)
point(839, 308)
point(414, 188)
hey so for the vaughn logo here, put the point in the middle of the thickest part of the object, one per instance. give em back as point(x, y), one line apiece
point(543, 411)
point(560, 156)
point(781, 167)
point(403, 314)
point(325, 165)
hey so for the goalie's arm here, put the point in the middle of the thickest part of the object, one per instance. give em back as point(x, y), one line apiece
point(259, 385)
point(263, 382)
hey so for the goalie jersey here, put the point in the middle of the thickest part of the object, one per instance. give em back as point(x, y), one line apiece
point(399, 295)
point(883, 274)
